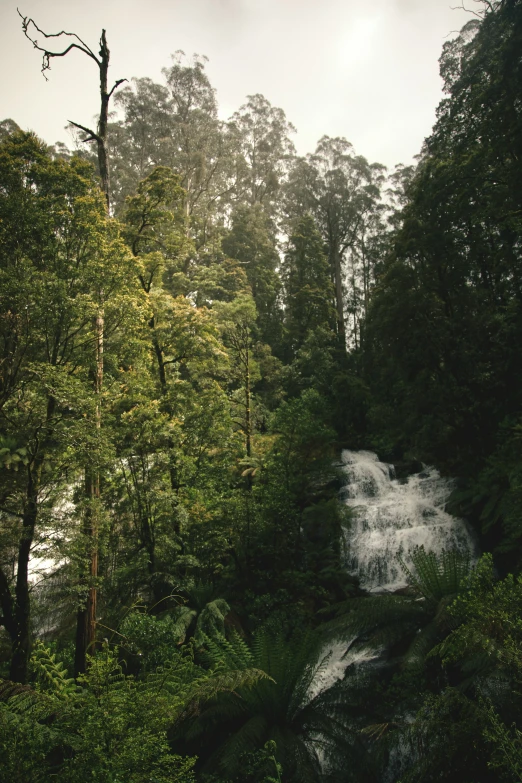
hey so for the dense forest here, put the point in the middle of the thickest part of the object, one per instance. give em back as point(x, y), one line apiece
point(194, 322)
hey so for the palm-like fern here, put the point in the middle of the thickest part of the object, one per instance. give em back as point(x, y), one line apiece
point(437, 576)
point(51, 675)
point(310, 731)
point(380, 622)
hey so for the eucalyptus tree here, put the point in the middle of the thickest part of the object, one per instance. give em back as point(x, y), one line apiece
point(309, 298)
point(263, 137)
point(137, 140)
point(342, 192)
point(251, 242)
point(72, 41)
point(7, 127)
point(200, 139)
point(176, 125)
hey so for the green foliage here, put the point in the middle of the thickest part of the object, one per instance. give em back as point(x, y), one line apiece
point(341, 190)
point(50, 674)
point(112, 727)
point(231, 377)
point(470, 729)
point(446, 311)
point(303, 441)
point(488, 617)
point(251, 242)
point(262, 134)
point(154, 223)
point(283, 708)
point(262, 765)
point(309, 293)
point(437, 576)
point(62, 264)
point(154, 639)
point(297, 528)
point(445, 742)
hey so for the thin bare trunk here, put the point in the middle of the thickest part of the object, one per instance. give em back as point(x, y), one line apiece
point(248, 410)
point(86, 619)
point(339, 303)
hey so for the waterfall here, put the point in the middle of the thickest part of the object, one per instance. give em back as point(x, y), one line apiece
point(391, 517)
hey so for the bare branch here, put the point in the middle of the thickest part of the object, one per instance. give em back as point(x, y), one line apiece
point(176, 360)
point(92, 135)
point(467, 10)
point(116, 85)
point(47, 53)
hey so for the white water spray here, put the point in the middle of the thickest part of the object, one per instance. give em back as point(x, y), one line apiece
point(391, 517)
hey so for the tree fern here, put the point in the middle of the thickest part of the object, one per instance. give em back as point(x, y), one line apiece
point(211, 620)
point(27, 732)
point(51, 675)
point(436, 576)
point(281, 708)
point(232, 652)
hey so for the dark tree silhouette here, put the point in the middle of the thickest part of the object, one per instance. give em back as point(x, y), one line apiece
point(102, 61)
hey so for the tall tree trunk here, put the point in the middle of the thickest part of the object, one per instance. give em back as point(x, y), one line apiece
point(86, 618)
point(339, 302)
point(248, 410)
point(22, 603)
point(19, 615)
point(101, 141)
point(86, 621)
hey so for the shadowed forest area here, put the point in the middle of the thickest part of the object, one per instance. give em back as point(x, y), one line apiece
point(194, 323)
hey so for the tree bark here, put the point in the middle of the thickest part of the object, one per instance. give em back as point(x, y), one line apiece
point(103, 161)
point(248, 411)
point(339, 303)
point(86, 618)
point(22, 606)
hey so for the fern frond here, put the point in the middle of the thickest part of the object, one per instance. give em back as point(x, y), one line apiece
point(211, 621)
point(51, 675)
point(233, 652)
point(251, 736)
point(436, 576)
point(9, 688)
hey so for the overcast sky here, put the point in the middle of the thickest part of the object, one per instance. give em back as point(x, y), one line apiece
point(363, 69)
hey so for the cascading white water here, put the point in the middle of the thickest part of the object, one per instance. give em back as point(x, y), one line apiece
point(391, 517)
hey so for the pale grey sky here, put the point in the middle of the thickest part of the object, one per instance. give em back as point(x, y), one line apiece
point(364, 70)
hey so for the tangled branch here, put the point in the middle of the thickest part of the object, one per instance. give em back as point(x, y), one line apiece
point(47, 54)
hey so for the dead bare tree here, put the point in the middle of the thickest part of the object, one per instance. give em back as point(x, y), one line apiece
point(102, 61)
